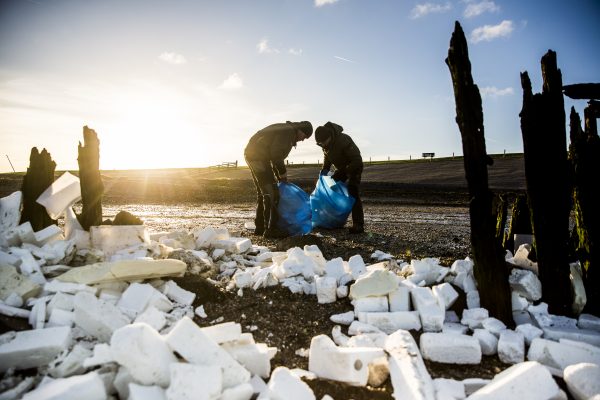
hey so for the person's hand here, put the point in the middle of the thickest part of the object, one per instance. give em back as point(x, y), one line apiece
point(283, 178)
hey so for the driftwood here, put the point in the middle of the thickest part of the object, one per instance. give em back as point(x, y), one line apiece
point(584, 153)
point(490, 268)
point(547, 181)
point(40, 175)
point(520, 222)
point(92, 188)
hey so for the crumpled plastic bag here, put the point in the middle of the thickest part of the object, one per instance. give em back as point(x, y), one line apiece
point(294, 210)
point(330, 203)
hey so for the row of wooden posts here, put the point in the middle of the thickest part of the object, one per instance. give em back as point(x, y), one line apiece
point(557, 181)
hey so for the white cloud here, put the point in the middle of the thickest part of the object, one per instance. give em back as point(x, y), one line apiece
point(264, 48)
point(493, 91)
point(491, 32)
point(172, 58)
point(421, 10)
point(233, 82)
point(475, 9)
point(321, 3)
point(295, 52)
point(343, 59)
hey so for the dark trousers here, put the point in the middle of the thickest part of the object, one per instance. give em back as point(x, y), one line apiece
point(353, 181)
point(267, 195)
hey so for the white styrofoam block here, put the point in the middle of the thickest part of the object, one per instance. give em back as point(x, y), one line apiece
point(445, 295)
point(527, 380)
point(177, 294)
point(473, 300)
point(493, 325)
point(357, 266)
point(343, 318)
point(465, 265)
point(583, 380)
point(422, 297)
point(455, 328)
point(449, 389)
point(112, 238)
point(189, 381)
point(242, 279)
point(284, 385)
point(62, 301)
point(525, 283)
point(338, 337)
point(450, 348)
point(511, 347)
point(236, 245)
point(518, 302)
point(137, 297)
point(255, 357)
point(326, 289)
point(474, 384)
point(187, 339)
point(143, 351)
point(451, 316)
point(14, 311)
point(474, 317)
point(344, 364)
point(204, 237)
point(34, 348)
point(240, 392)
point(224, 332)
point(589, 321)
point(341, 292)
point(558, 356)
point(399, 299)
point(408, 373)
point(487, 341)
point(48, 234)
point(70, 388)
point(61, 194)
point(56, 286)
point(72, 364)
point(529, 332)
point(390, 322)
point(9, 259)
point(10, 211)
point(432, 318)
point(60, 317)
point(522, 317)
point(572, 333)
point(140, 392)
point(367, 340)
point(101, 355)
point(25, 233)
point(370, 304)
point(377, 282)
point(153, 317)
point(335, 268)
point(97, 317)
point(357, 327)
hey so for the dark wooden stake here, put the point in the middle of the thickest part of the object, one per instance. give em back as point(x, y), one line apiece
point(40, 175)
point(547, 181)
point(584, 153)
point(92, 188)
point(490, 268)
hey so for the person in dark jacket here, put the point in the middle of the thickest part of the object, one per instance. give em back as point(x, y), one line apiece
point(340, 151)
point(265, 155)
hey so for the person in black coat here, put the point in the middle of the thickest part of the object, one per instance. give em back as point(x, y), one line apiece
point(265, 155)
point(340, 151)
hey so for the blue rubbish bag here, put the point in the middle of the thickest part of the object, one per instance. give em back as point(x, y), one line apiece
point(294, 210)
point(330, 203)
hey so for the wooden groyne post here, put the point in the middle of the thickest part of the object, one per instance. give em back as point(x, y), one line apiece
point(92, 188)
point(39, 175)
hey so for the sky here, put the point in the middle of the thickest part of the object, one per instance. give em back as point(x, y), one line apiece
point(186, 83)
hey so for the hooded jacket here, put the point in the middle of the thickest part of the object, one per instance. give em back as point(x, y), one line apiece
point(342, 152)
point(272, 144)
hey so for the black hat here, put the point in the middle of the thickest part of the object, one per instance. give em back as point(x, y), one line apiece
point(306, 127)
point(322, 134)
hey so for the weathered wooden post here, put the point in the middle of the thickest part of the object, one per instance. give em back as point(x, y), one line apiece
point(520, 222)
point(547, 181)
point(490, 270)
point(584, 153)
point(92, 188)
point(40, 175)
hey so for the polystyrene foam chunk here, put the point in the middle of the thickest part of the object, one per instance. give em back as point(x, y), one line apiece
point(196, 347)
point(529, 332)
point(487, 341)
point(390, 322)
point(136, 298)
point(112, 238)
point(70, 389)
point(474, 317)
point(432, 318)
point(48, 234)
point(326, 289)
point(284, 385)
point(34, 348)
point(588, 321)
point(25, 232)
point(343, 318)
point(422, 297)
point(493, 325)
point(97, 317)
point(455, 328)
point(143, 351)
point(240, 392)
point(409, 376)
point(357, 266)
point(511, 347)
point(473, 300)
point(72, 364)
point(61, 194)
point(153, 317)
point(450, 348)
point(449, 388)
point(526, 283)
point(527, 380)
point(13, 282)
point(189, 381)
point(10, 211)
point(399, 299)
point(371, 304)
point(377, 282)
point(583, 380)
point(225, 332)
point(101, 355)
point(139, 392)
point(60, 317)
point(445, 294)
point(558, 356)
point(255, 357)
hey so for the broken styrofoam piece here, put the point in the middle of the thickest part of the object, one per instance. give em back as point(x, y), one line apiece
point(11, 311)
point(140, 392)
point(399, 299)
point(60, 317)
point(153, 317)
point(10, 211)
point(17, 391)
point(525, 283)
point(224, 332)
point(13, 300)
point(465, 266)
point(342, 292)
point(236, 245)
point(240, 392)
point(474, 317)
point(572, 333)
point(37, 318)
point(335, 268)
point(8, 259)
point(493, 325)
point(25, 233)
point(558, 356)
point(390, 322)
point(367, 340)
point(527, 380)
point(521, 257)
point(519, 302)
point(357, 327)
point(343, 318)
point(381, 256)
point(529, 332)
point(326, 289)
point(144, 352)
point(450, 348)
point(487, 341)
point(583, 380)
point(34, 348)
point(190, 381)
point(589, 321)
point(255, 357)
point(242, 279)
point(377, 282)
point(48, 234)
point(449, 389)
point(455, 328)
point(196, 347)
point(371, 304)
point(70, 388)
point(13, 282)
point(62, 193)
point(473, 300)
point(284, 385)
point(126, 270)
point(522, 317)
point(177, 294)
point(101, 355)
point(409, 375)
point(55, 286)
point(97, 317)
point(112, 238)
point(70, 365)
point(511, 347)
point(344, 364)
point(357, 266)
point(137, 297)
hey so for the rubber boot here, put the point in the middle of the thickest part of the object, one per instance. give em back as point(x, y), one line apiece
point(271, 229)
point(259, 220)
point(358, 216)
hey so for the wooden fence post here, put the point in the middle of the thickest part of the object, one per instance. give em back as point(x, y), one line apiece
point(40, 175)
point(92, 188)
point(490, 268)
point(547, 181)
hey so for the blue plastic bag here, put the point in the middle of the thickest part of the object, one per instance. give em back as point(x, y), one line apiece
point(330, 203)
point(294, 210)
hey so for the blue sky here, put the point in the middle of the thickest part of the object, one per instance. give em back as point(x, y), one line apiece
point(186, 83)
